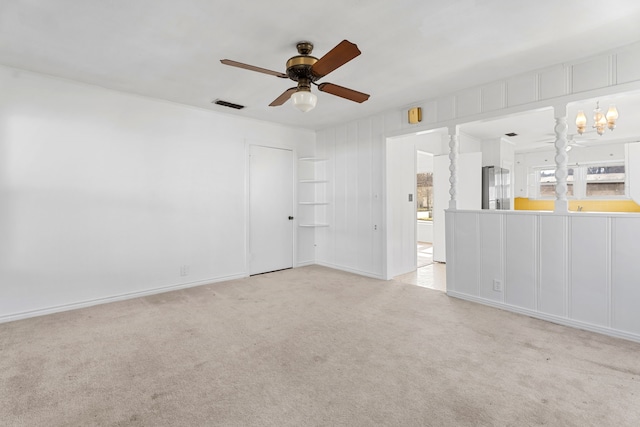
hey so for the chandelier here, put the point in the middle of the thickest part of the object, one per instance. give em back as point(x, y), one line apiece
point(600, 119)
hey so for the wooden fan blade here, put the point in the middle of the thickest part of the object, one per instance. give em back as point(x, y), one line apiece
point(344, 52)
point(283, 98)
point(253, 68)
point(343, 92)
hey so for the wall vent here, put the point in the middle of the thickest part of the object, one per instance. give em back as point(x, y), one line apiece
point(228, 104)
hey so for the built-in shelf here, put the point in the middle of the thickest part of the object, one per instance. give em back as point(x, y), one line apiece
point(313, 181)
point(312, 159)
point(311, 210)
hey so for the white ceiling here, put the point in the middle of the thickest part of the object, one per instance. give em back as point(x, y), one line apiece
point(411, 49)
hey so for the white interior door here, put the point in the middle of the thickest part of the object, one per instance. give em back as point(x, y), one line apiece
point(270, 209)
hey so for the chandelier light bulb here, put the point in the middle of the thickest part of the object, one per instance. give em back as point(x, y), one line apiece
point(612, 116)
point(581, 122)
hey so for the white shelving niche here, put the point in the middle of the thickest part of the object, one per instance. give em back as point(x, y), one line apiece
point(312, 204)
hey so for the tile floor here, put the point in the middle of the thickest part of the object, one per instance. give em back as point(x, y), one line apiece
point(429, 274)
point(425, 254)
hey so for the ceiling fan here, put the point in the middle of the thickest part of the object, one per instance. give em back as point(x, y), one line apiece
point(306, 70)
point(572, 142)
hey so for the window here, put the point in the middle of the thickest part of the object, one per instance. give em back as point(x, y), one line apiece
point(424, 201)
point(546, 183)
point(595, 181)
point(604, 181)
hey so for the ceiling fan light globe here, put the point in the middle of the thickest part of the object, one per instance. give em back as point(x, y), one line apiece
point(304, 100)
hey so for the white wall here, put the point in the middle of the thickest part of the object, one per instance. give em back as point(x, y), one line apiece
point(425, 231)
point(401, 210)
point(575, 269)
point(425, 162)
point(498, 152)
point(105, 194)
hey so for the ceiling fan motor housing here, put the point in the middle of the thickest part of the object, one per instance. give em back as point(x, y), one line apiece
point(299, 67)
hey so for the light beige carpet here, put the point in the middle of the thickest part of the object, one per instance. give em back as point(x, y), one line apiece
point(311, 347)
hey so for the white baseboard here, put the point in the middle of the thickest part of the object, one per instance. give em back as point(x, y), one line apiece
point(350, 270)
point(549, 317)
point(114, 298)
point(304, 263)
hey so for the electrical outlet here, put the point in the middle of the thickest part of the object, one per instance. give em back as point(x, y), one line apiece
point(497, 285)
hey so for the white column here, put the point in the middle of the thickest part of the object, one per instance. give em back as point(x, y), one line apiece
point(454, 148)
point(562, 157)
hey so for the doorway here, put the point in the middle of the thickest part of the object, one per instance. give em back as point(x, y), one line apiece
point(404, 199)
point(424, 208)
point(270, 209)
point(428, 273)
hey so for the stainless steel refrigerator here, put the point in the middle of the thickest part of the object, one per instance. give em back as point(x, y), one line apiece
point(496, 188)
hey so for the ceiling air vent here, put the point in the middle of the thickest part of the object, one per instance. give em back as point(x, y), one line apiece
point(228, 104)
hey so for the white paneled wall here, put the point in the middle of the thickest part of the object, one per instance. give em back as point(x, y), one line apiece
point(576, 269)
point(612, 72)
point(466, 246)
point(553, 265)
point(354, 170)
point(491, 256)
point(360, 194)
point(625, 274)
point(589, 269)
point(520, 260)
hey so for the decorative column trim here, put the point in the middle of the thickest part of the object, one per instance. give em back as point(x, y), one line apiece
point(454, 148)
point(561, 158)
